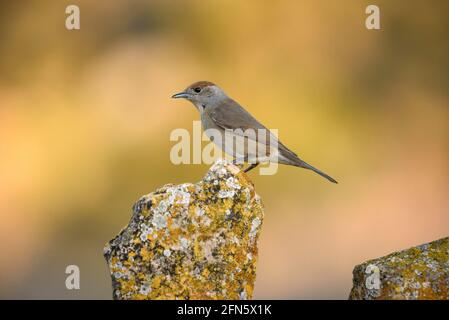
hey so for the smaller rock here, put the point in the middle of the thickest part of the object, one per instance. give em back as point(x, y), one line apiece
point(420, 272)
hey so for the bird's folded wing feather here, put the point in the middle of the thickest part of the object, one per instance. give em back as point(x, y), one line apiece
point(230, 115)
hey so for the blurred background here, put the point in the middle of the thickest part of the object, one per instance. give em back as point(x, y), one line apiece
point(85, 118)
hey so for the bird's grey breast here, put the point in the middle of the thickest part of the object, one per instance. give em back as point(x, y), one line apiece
point(208, 122)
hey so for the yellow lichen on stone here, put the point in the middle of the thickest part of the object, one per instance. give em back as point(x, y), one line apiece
point(190, 241)
point(421, 272)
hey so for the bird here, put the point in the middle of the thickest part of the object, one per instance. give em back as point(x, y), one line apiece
point(221, 113)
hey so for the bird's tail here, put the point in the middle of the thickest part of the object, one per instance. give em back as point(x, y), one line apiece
point(291, 158)
point(302, 164)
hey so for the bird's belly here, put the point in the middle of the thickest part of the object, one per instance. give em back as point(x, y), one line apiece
point(241, 147)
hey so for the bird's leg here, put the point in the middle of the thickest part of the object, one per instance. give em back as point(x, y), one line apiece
point(238, 162)
point(252, 166)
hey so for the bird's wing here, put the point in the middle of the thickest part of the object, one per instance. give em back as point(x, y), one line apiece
point(231, 116)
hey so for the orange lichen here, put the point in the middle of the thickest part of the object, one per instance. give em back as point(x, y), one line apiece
point(421, 272)
point(190, 241)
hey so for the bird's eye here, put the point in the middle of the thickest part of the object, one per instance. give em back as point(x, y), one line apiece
point(197, 89)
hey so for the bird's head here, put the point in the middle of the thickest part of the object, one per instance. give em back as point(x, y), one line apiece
point(202, 94)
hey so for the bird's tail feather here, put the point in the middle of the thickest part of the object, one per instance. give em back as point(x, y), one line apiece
point(292, 158)
point(305, 165)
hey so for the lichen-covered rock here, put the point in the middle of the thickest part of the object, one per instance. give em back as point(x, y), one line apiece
point(190, 241)
point(421, 272)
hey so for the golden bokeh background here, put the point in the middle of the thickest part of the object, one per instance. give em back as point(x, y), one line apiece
point(85, 118)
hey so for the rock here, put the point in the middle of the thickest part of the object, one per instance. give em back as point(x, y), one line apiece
point(421, 272)
point(190, 241)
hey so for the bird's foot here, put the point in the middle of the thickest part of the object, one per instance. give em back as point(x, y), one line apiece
point(252, 166)
point(238, 163)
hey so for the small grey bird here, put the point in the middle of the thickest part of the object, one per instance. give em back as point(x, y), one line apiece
point(223, 114)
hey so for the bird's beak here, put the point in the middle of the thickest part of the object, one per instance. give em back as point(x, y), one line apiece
point(181, 95)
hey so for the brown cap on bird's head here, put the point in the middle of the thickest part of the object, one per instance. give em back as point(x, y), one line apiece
point(201, 85)
point(194, 88)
